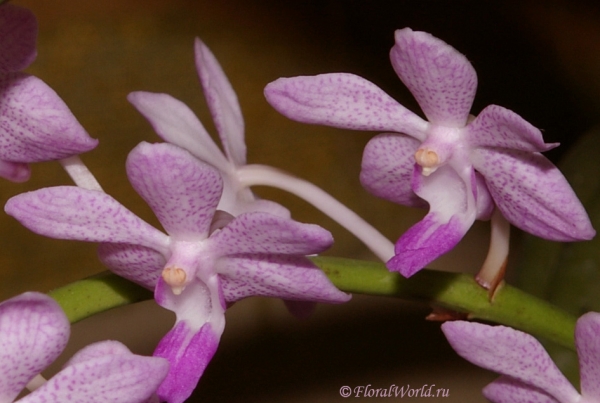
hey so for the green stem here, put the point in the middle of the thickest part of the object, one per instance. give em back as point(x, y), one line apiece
point(452, 291)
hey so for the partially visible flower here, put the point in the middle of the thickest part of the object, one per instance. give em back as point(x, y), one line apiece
point(175, 123)
point(461, 166)
point(201, 264)
point(35, 124)
point(528, 373)
point(33, 332)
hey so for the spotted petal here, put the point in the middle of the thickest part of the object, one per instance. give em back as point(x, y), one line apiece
point(175, 123)
point(136, 263)
point(387, 168)
point(18, 33)
point(440, 78)
point(103, 372)
point(533, 194)
point(282, 276)
point(509, 390)
point(588, 350)
point(266, 233)
point(69, 212)
point(222, 102)
point(342, 100)
point(182, 191)
point(35, 124)
point(33, 332)
point(509, 352)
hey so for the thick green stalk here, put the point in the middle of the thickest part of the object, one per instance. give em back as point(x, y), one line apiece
point(452, 291)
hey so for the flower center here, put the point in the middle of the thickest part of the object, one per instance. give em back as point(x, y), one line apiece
point(175, 278)
point(428, 159)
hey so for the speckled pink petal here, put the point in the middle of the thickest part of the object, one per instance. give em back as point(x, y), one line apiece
point(188, 355)
point(69, 212)
point(33, 332)
point(35, 124)
point(222, 102)
point(15, 171)
point(342, 100)
point(282, 276)
point(266, 233)
point(182, 191)
point(509, 390)
point(136, 263)
point(587, 340)
point(533, 194)
point(440, 78)
point(18, 33)
point(103, 372)
point(175, 123)
point(499, 127)
point(387, 168)
point(509, 352)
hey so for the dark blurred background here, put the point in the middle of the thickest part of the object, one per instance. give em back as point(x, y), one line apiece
point(540, 59)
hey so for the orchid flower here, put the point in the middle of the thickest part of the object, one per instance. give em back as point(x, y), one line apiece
point(206, 259)
point(35, 124)
point(528, 372)
point(175, 123)
point(34, 331)
point(462, 166)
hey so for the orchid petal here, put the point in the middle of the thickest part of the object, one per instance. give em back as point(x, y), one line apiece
point(440, 78)
point(136, 263)
point(15, 171)
point(18, 33)
point(588, 350)
point(108, 374)
point(35, 124)
point(450, 217)
point(33, 332)
point(499, 127)
point(387, 168)
point(533, 194)
point(69, 212)
point(342, 100)
point(266, 233)
point(175, 123)
point(509, 390)
point(222, 102)
point(182, 191)
point(282, 276)
point(509, 352)
point(188, 356)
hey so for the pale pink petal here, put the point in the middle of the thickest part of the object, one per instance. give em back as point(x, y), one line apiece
point(267, 233)
point(509, 352)
point(387, 168)
point(15, 171)
point(69, 212)
point(35, 124)
point(587, 340)
point(533, 194)
point(509, 390)
point(103, 373)
point(33, 332)
point(136, 263)
point(342, 100)
point(282, 276)
point(175, 123)
point(18, 33)
point(182, 191)
point(222, 102)
point(499, 127)
point(440, 78)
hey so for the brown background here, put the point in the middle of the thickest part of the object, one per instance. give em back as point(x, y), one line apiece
point(540, 59)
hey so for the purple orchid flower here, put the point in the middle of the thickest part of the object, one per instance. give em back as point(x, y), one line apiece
point(460, 165)
point(200, 265)
point(175, 123)
point(528, 372)
point(33, 332)
point(35, 124)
